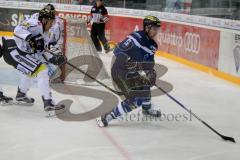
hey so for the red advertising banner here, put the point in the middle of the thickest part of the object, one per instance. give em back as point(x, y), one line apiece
point(120, 27)
point(116, 29)
point(196, 44)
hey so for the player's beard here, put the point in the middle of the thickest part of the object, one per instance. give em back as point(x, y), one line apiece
point(153, 32)
point(47, 24)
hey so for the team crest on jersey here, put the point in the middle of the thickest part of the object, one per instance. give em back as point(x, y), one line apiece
point(126, 45)
point(93, 9)
point(25, 24)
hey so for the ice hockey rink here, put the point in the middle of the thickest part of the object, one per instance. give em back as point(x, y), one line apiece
point(26, 134)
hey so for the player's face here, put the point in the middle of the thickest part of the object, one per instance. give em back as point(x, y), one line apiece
point(99, 3)
point(153, 31)
point(48, 24)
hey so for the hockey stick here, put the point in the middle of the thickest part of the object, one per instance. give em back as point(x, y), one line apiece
point(231, 139)
point(99, 82)
point(226, 138)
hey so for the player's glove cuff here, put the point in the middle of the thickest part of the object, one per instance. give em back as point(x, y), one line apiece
point(151, 76)
point(1, 51)
point(58, 60)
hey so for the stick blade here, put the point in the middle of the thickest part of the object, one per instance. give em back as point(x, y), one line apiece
point(231, 139)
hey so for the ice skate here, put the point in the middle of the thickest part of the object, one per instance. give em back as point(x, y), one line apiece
point(22, 99)
point(151, 112)
point(104, 120)
point(4, 100)
point(52, 109)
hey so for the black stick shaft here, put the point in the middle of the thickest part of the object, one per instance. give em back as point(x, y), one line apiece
point(116, 92)
point(99, 82)
point(171, 97)
point(190, 112)
point(93, 78)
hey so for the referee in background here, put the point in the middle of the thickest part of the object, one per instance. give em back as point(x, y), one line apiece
point(99, 16)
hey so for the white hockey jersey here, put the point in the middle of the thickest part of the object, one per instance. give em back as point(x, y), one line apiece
point(29, 27)
point(56, 31)
point(34, 16)
point(55, 35)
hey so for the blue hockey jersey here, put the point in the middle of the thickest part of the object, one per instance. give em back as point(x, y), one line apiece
point(138, 47)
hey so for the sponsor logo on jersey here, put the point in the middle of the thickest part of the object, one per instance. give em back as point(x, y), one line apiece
point(25, 61)
point(23, 70)
point(126, 45)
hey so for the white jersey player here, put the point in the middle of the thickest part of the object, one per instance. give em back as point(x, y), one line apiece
point(29, 41)
point(55, 35)
point(54, 40)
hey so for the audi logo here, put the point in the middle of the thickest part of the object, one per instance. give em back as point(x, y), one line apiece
point(192, 42)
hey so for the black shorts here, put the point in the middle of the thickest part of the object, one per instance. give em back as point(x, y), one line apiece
point(18, 59)
point(128, 85)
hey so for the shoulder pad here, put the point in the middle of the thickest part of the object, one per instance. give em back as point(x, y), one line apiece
point(35, 16)
point(136, 35)
point(32, 22)
point(93, 8)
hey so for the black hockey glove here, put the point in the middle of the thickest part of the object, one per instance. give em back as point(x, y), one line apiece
point(149, 79)
point(36, 43)
point(58, 60)
point(131, 66)
point(141, 81)
point(151, 76)
point(1, 51)
point(134, 66)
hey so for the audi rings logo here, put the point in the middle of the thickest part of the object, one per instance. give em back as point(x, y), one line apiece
point(192, 42)
point(189, 42)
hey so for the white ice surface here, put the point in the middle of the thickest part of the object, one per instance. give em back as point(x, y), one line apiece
point(26, 134)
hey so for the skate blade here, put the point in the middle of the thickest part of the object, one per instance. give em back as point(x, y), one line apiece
point(6, 103)
point(99, 122)
point(16, 103)
point(53, 113)
point(151, 116)
point(20, 103)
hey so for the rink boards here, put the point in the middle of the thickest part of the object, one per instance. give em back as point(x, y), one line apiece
point(208, 44)
point(27, 134)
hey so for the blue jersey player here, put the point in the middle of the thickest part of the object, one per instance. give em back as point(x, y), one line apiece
point(133, 71)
